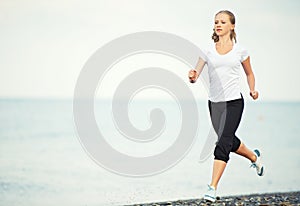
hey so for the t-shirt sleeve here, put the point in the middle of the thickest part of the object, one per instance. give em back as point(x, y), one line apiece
point(244, 54)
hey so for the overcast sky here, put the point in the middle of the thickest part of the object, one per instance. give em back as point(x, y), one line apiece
point(44, 44)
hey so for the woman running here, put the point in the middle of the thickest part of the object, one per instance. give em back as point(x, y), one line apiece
point(226, 102)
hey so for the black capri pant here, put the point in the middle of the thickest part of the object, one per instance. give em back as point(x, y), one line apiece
point(226, 117)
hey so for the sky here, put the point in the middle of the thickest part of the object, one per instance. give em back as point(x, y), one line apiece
point(44, 44)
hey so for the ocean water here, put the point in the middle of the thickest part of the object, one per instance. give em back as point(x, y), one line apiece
point(42, 161)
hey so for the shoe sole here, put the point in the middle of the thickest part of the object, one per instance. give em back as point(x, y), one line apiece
point(209, 198)
point(262, 171)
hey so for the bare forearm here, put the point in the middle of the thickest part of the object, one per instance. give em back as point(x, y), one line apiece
point(194, 73)
point(250, 78)
point(251, 81)
point(199, 66)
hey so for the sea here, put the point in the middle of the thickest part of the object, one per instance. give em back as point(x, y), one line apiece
point(43, 160)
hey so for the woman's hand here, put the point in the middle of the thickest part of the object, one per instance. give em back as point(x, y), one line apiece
point(193, 75)
point(254, 94)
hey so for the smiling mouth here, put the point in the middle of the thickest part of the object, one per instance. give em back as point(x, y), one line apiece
point(218, 30)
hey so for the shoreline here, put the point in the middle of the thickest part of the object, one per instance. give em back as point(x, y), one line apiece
point(278, 198)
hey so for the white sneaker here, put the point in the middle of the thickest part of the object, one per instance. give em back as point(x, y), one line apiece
point(258, 163)
point(210, 194)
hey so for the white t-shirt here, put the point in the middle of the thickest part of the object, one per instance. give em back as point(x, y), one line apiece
point(224, 73)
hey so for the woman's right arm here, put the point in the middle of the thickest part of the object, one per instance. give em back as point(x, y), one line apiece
point(194, 73)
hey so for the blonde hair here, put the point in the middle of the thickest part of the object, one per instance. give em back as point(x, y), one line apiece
point(215, 37)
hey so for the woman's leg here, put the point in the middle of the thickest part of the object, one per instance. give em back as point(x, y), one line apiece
point(218, 115)
point(219, 165)
point(253, 156)
point(233, 113)
point(218, 169)
point(245, 152)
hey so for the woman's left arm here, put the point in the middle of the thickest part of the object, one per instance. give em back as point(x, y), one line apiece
point(250, 78)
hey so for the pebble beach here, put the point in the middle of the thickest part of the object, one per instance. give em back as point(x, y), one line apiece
point(281, 199)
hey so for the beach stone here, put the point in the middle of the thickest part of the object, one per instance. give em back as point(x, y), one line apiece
point(281, 199)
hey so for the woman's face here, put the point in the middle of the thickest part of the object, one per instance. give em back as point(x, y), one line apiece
point(223, 26)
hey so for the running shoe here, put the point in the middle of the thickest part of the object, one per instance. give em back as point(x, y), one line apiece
point(210, 194)
point(258, 163)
